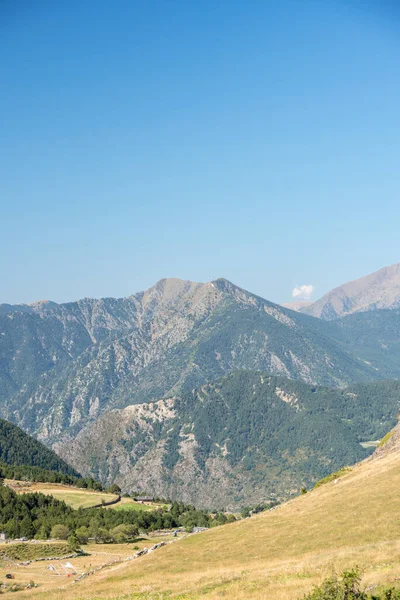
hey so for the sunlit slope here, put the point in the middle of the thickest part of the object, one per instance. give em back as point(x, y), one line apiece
point(75, 497)
point(282, 553)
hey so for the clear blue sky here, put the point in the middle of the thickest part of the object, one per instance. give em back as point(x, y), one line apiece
point(253, 140)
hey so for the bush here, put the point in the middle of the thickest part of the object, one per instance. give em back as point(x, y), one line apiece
point(385, 439)
point(347, 587)
point(333, 476)
point(114, 489)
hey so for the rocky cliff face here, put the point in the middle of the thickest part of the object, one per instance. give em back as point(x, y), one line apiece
point(64, 365)
point(378, 290)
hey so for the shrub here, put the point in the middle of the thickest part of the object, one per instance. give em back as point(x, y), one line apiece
point(385, 439)
point(347, 587)
point(333, 476)
point(73, 542)
point(124, 533)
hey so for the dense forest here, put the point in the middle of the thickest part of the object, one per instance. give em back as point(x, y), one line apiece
point(41, 517)
point(18, 448)
point(28, 473)
point(254, 419)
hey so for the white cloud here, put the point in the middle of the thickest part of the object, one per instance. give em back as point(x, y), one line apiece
point(303, 292)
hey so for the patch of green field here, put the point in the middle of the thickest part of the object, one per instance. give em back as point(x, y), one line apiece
point(333, 476)
point(129, 504)
point(82, 499)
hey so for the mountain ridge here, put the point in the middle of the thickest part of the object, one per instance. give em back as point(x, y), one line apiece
point(64, 363)
point(377, 290)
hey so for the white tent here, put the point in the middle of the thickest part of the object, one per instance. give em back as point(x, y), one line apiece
point(69, 566)
point(54, 570)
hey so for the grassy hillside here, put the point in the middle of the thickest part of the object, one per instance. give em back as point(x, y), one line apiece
point(276, 555)
point(74, 497)
point(22, 551)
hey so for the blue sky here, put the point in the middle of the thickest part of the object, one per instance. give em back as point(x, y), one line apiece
point(257, 141)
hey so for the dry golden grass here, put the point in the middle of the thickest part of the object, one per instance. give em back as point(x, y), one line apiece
point(75, 497)
point(96, 555)
point(277, 555)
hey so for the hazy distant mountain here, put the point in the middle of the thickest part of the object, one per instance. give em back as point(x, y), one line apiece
point(377, 290)
point(297, 306)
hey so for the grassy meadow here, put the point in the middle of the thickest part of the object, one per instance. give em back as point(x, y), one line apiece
point(95, 556)
point(276, 555)
point(79, 498)
point(75, 497)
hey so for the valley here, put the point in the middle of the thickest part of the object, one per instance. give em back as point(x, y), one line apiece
point(200, 300)
point(108, 384)
point(278, 554)
point(265, 435)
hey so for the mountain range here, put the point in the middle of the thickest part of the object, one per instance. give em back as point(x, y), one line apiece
point(114, 385)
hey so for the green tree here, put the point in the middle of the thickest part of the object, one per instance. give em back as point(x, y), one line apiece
point(124, 533)
point(42, 534)
point(59, 532)
point(73, 542)
point(114, 489)
point(26, 528)
point(83, 534)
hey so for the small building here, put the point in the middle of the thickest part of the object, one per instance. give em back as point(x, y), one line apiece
point(199, 529)
point(144, 499)
point(3, 536)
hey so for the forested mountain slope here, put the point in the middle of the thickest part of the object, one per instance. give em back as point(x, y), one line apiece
point(62, 366)
point(242, 439)
point(372, 337)
point(18, 448)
